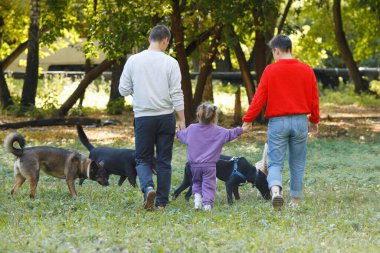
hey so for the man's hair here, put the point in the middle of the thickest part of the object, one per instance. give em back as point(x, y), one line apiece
point(281, 42)
point(159, 33)
point(206, 113)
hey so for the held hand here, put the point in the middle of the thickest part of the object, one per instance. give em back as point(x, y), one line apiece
point(313, 128)
point(246, 127)
point(181, 125)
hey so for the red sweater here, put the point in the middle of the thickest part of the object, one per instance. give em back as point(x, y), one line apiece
point(290, 88)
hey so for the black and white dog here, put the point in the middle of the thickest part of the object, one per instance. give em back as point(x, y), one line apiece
point(234, 171)
point(115, 161)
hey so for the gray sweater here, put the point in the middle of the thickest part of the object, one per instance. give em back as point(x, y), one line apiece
point(154, 80)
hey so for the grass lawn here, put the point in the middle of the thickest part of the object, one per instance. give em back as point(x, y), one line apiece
point(340, 212)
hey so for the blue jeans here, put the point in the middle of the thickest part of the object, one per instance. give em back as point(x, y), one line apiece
point(155, 132)
point(283, 131)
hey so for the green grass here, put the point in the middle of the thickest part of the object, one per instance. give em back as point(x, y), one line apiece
point(340, 211)
point(345, 95)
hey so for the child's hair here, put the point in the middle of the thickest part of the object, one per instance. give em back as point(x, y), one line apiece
point(206, 113)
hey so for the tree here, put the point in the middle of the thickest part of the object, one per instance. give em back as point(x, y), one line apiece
point(12, 29)
point(244, 67)
point(88, 78)
point(206, 69)
point(179, 42)
point(359, 82)
point(31, 78)
point(123, 28)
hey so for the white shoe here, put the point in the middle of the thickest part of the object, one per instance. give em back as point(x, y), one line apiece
point(207, 207)
point(197, 201)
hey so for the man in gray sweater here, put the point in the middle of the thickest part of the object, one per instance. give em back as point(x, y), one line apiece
point(154, 80)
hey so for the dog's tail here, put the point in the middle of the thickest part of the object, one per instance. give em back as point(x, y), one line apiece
point(10, 140)
point(83, 138)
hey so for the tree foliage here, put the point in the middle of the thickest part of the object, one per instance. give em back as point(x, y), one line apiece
point(121, 27)
point(311, 28)
point(13, 25)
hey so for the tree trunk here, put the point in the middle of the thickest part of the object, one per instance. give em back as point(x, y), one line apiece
point(244, 68)
point(87, 79)
point(359, 82)
point(195, 44)
point(224, 65)
point(205, 72)
point(246, 74)
point(117, 69)
point(87, 68)
point(116, 102)
point(52, 122)
point(281, 24)
point(208, 93)
point(265, 23)
point(260, 59)
point(16, 53)
point(29, 90)
point(177, 30)
point(5, 96)
point(237, 113)
point(284, 16)
point(260, 63)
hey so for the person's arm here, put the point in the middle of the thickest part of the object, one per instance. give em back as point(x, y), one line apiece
point(231, 134)
point(176, 93)
point(125, 84)
point(258, 100)
point(182, 136)
point(181, 119)
point(314, 117)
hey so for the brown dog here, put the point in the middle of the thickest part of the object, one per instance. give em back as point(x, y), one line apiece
point(56, 162)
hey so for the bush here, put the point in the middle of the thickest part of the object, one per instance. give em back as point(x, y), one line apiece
point(116, 107)
point(375, 86)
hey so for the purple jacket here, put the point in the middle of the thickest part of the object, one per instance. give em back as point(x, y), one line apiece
point(205, 142)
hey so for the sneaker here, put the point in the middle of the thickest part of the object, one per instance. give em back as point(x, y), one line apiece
point(207, 207)
point(197, 201)
point(150, 196)
point(277, 201)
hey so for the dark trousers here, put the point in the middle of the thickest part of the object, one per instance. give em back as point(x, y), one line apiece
point(155, 132)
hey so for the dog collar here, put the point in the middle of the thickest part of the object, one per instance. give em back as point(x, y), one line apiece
point(88, 170)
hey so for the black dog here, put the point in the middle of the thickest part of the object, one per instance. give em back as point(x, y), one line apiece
point(115, 161)
point(234, 172)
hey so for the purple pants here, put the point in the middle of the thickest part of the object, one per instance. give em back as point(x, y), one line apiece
point(204, 183)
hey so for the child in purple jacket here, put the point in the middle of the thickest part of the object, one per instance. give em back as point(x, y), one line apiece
point(204, 144)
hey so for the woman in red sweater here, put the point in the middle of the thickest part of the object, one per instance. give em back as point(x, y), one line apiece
point(290, 90)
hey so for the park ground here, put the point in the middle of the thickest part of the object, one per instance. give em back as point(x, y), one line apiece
point(340, 211)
